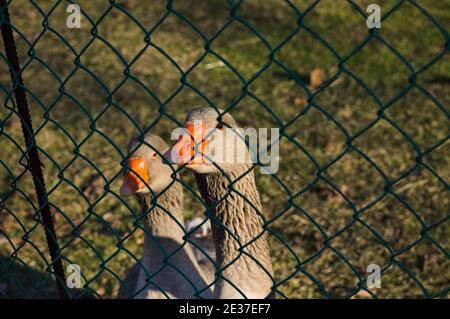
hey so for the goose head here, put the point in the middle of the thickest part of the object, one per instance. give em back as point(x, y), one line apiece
point(145, 171)
point(210, 141)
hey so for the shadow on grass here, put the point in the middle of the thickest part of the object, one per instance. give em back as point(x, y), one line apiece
point(18, 280)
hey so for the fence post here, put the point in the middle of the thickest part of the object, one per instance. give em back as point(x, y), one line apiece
point(33, 155)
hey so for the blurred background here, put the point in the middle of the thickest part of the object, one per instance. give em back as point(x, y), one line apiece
point(364, 157)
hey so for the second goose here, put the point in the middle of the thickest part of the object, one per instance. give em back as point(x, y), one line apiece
point(158, 276)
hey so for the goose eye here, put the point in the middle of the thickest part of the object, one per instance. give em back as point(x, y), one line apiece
point(154, 154)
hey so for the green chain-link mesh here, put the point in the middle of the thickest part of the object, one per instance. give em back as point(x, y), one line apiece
point(364, 151)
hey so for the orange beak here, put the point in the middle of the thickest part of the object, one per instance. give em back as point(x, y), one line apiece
point(135, 177)
point(190, 146)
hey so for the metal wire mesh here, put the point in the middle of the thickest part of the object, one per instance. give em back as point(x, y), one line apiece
point(363, 154)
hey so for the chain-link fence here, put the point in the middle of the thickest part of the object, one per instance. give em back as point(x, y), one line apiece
point(363, 117)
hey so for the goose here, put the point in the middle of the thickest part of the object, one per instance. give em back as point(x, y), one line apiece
point(202, 237)
point(161, 203)
point(237, 221)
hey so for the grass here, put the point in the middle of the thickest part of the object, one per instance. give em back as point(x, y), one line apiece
point(373, 201)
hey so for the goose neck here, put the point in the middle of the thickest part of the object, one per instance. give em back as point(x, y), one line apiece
point(162, 214)
point(236, 205)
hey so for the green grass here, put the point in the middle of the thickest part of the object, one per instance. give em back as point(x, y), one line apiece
point(79, 159)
